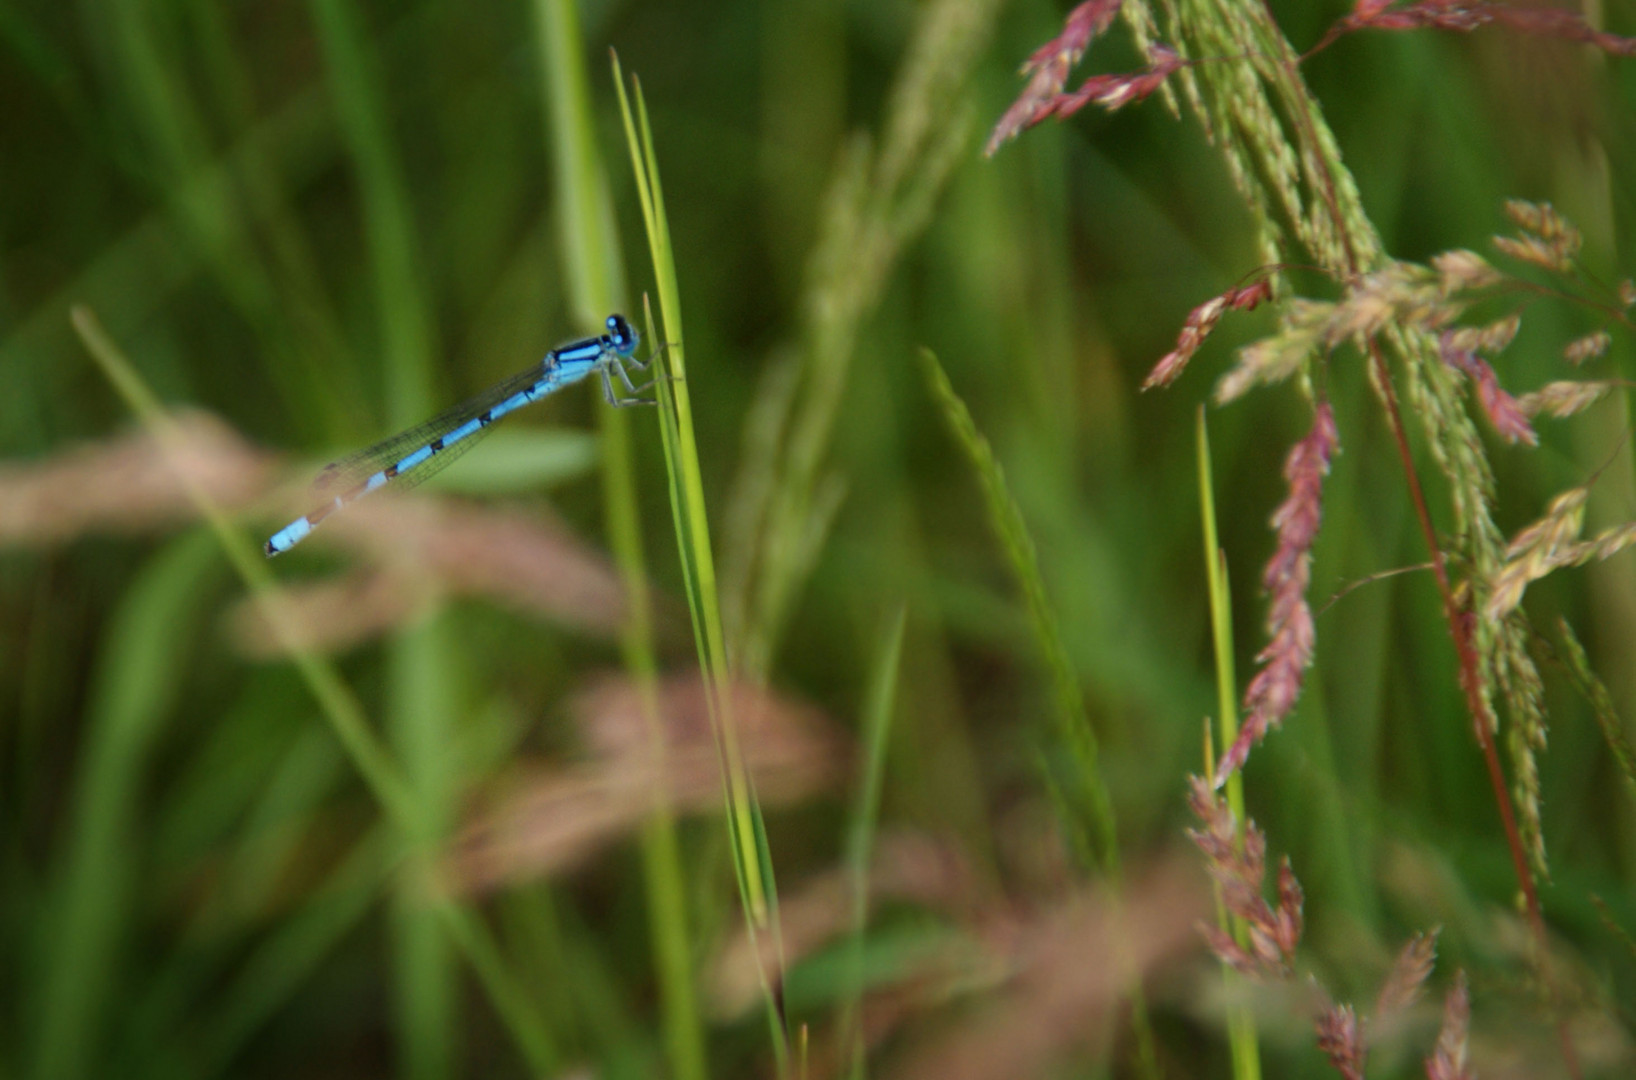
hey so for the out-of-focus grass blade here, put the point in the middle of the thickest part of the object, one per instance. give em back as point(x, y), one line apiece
point(133, 689)
point(337, 704)
point(1596, 695)
point(1090, 803)
point(585, 218)
point(421, 703)
point(1005, 518)
point(877, 725)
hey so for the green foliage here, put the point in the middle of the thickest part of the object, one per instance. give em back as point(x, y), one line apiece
point(319, 223)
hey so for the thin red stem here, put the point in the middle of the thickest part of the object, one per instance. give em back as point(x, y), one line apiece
point(1460, 627)
point(1460, 623)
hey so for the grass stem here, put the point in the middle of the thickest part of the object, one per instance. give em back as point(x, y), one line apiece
point(747, 833)
point(595, 274)
point(1241, 1030)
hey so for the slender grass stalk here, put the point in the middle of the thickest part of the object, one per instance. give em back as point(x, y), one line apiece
point(1092, 804)
point(595, 275)
point(1089, 804)
point(860, 840)
point(1596, 695)
point(751, 858)
point(375, 765)
point(421, 703)
point(1241, 1031)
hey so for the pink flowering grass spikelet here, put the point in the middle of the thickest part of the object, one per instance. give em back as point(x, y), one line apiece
point(1346, 1038)
point(1201, 321)
point(1341, 1041)
point(1115, 91)
point(1464, 16)
point(1273, 692)
point(1503, 411)
point(1048, 69)
point(1451, 1060)
point(1407, 978)
point(1240, 870)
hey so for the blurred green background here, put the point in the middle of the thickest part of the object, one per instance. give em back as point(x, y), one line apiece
point(321, 222)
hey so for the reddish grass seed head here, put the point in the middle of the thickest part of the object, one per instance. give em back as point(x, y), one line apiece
point(1274, 690)
point(1200, 322)
point(1502, 410)
point(1452, 1058)
point(1047, 69)
point(1341, 1041)
point(1464, 16)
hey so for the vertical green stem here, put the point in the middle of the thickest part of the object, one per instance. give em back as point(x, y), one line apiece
point(1241, 1031)
point(591, 255)
point(860, 841)
point(752, 861)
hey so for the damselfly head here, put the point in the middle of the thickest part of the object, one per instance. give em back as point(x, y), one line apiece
point(622, 335)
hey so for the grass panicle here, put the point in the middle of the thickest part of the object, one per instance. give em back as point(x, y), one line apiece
point(1094, 825)
point(879, 200)
point(1284, 160)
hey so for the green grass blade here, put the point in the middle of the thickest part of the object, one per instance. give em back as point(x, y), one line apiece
point(585, 217)
point(1241, 1031)
point(420, 706)
point(339, 705)
point(751, 858)
point(141, 664)
point(1094, 804)
point(336, 702)
point(595, 274)
point(877, 725)
point(1596, 695)
point(687, 496)
point(1089, 802)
